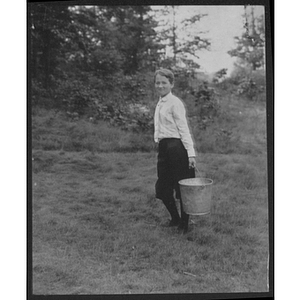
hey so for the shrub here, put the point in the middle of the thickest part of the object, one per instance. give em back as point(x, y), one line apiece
point(129, 117)
point(248, 88)
point(248, 83)
point(220, 75)
point(134, 87)
point(206, 104)
point(37, 90)
point(40, 96)
point(74, 95)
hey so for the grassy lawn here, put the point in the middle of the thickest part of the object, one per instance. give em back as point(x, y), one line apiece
point(97, 228)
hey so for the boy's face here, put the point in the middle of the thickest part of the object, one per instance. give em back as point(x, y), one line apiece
point(162, 85)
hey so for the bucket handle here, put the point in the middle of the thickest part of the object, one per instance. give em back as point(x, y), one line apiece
point(197, 170)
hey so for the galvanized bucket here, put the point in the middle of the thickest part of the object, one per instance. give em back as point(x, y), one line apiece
point(196, 195)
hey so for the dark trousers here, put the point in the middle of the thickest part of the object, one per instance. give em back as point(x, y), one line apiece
point(172, 166)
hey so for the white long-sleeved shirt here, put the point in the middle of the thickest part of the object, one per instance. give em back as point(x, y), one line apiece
point(170, 122)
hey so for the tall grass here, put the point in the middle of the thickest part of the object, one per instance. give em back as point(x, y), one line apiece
point(54, 131)
point(239, 128)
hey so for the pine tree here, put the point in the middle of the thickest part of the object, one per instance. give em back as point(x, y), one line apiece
point(250, 46)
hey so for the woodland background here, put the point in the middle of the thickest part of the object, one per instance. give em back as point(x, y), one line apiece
point(96, 60)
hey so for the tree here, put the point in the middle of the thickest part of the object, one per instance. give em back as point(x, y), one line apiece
point(182, 37)
point(250, 46)
point(49, 26)
point(83, 41)
point(82, 54)
point(136, 39)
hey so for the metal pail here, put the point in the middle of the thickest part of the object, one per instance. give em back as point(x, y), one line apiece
point(196, 195)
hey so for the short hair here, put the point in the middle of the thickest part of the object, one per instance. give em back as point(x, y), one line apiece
point(165, 72)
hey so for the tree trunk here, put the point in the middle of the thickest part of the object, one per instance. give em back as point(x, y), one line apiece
point(33, 58)
point(46, 58)
point(174, 37)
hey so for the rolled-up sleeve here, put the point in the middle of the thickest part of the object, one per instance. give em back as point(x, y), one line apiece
point(179, 115)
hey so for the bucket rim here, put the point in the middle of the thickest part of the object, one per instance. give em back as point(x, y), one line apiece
point(210, 181)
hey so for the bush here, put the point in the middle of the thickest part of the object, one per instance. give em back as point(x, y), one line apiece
point(40, 96)
point(129, 117)
point(206, 104)
point(74, 95)
point(134, 87)
point(248, 88)
point(248, 83)
point(219, 76)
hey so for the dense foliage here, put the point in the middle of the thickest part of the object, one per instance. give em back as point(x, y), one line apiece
point(91, 48)
point(98, 62)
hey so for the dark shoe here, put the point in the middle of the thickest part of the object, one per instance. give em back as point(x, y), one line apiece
point(171, 207)
point(173, 223)
point(183, 228)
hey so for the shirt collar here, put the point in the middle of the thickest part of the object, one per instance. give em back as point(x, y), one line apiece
point(165, 98)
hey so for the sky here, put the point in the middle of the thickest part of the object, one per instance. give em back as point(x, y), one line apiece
point(222, 24)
